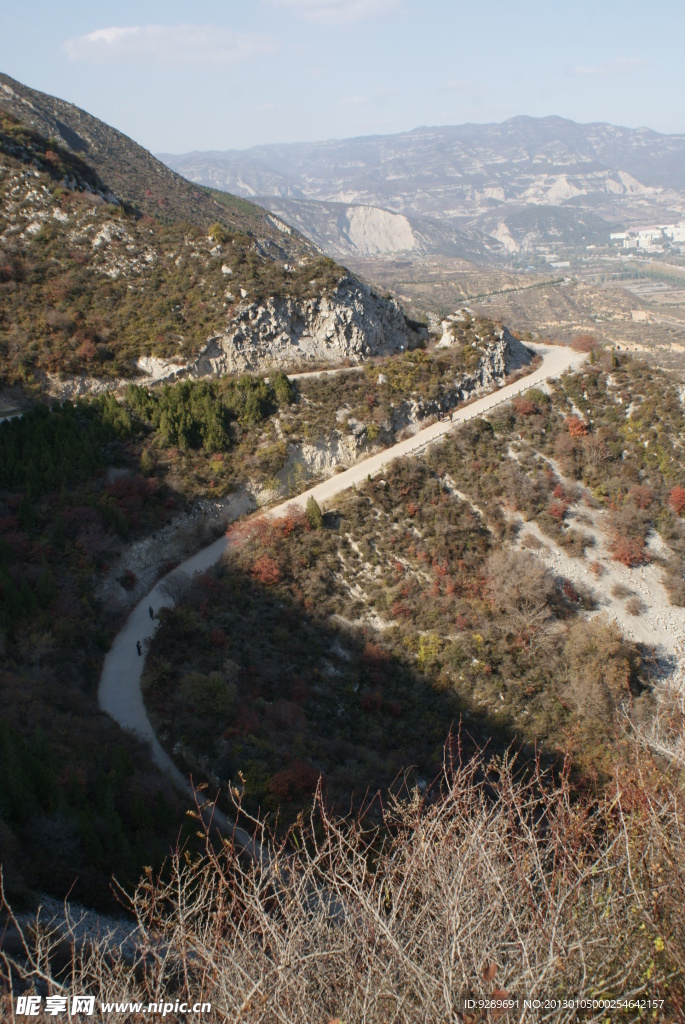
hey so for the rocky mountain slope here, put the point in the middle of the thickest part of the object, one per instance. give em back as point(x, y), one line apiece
point(479, 179)
point(111, 263)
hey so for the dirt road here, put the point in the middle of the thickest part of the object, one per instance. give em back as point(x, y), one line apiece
point(119, 693)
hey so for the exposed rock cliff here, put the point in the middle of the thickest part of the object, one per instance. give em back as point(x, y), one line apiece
point(350, 323)
point(499, 355)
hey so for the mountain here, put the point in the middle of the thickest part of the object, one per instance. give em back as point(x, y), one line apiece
point(469, 181)
point(112, 266)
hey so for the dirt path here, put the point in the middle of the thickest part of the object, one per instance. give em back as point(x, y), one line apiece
point(119, 692)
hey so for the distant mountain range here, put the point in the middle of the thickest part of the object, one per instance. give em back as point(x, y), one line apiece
point(479, 191)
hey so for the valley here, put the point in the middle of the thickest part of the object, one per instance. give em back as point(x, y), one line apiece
point(330, 592)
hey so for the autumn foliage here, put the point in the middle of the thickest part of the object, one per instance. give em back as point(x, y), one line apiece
point(576, 427)
point(584, 343)
point(524, 406)
point(676, 500)
point(558, 510)
point(629, 551)
point(266, 570)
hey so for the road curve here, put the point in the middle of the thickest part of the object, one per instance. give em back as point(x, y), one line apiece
point(119, 692)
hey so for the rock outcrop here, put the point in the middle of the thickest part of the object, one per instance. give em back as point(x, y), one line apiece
point(350, 323)
point(500, 356)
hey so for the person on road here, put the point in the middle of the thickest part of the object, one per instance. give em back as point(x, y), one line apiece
point(151, 612)
point(139, 649)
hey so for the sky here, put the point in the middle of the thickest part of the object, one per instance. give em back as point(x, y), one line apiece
point(229, 74)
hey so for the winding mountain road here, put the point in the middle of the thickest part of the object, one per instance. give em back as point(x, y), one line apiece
point(120, 694)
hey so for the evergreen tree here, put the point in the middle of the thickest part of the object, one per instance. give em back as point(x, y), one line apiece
point(314, 513)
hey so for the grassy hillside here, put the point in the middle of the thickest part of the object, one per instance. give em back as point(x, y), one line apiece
point(106, 255)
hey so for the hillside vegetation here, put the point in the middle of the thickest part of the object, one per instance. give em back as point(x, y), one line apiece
point(356, 647)
point(106, 255)
point(80, 484)
point(89, 286)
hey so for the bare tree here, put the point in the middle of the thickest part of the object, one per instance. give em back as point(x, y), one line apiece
point(175, 586)
point(520, 588)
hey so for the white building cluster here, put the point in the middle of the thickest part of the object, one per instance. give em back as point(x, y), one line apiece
point(656, 238)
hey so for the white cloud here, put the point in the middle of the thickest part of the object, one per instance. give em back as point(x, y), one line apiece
point(460, 83)
point(169, 44)
point(618, 66)
point(336, 12)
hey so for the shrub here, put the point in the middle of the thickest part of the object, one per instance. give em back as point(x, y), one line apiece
point(218, 233)
point(558, 510)
point(498, 883)
point(643, 496)
point(524, 406)
point(209, 695)
point(600, 668)
point(676, 499)
point(283, 389)
point(584, 343)
point(576, 427)
point(629, 551)
point(266, 570)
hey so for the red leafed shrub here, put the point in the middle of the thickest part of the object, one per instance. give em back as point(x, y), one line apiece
point(560, 493)
point(266, 570)
point(629, 551)
point(295, 518)
point(372, 701)
point(400, 610)
point(570, 592)
point(642, 495)
point(374, 654)
point(558, 510)
point(131, 492)
point(218, 637)
point(440, 568)
point(676, 499)
point(583, 343)
point(524, 406)
point(87, 350)
point(461, 622)
point(412, 508)
point(300, 777)
point(576, 427)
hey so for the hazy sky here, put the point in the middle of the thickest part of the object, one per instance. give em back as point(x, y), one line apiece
point(222, 75)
